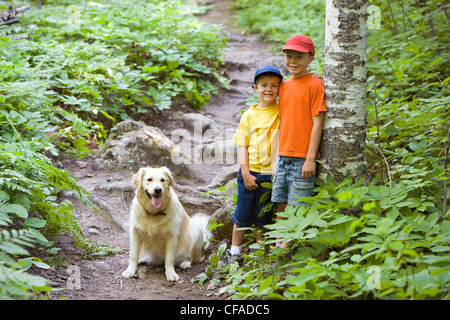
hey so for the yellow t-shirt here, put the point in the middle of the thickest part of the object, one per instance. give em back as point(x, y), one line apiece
point(258, 130)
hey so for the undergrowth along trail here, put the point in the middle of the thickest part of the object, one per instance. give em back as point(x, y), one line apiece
point(400, 236)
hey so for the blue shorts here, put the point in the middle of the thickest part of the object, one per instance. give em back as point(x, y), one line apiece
point(288, 184)
point(248, 207)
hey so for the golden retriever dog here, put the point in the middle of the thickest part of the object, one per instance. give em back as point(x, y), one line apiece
point(160, 229)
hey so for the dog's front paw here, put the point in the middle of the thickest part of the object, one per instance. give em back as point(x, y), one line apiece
point(171, 275)
point(129, 273)
point(185, 264)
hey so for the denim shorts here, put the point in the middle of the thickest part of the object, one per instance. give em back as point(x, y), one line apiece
point(288, 184)
point(248, 207)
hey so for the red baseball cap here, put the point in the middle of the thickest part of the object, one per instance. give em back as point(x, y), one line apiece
point(299, 43)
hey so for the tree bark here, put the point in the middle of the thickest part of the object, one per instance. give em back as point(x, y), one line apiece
point(343, 148)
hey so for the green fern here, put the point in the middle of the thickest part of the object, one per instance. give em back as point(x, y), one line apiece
point(18, 284)
point(6, 209)
point(30, 183)
point(12, 241)
point(15, 282)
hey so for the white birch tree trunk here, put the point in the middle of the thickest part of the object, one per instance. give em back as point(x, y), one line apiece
point(343, 149)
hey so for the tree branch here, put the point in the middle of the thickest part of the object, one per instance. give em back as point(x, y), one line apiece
point(9, 15)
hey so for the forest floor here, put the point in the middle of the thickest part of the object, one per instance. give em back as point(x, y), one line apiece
point(81, 278)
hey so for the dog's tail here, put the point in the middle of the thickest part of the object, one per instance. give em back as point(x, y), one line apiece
point(201, 221)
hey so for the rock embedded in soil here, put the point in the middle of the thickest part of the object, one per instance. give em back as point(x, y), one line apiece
point(135, 145)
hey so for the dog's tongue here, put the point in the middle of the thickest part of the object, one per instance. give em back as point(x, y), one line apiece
point(156, 202)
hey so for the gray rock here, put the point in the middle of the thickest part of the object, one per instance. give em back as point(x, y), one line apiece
point(197, 121)
point(134, 145)
point(224, 176)
point(223, 216)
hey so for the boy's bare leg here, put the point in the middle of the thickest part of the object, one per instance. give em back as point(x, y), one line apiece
point(238, 236)
point(281, 207)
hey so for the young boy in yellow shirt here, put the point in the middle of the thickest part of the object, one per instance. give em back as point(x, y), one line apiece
point(256, 138)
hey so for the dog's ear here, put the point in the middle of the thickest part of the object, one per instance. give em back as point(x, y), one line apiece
point(169, 176)
point(137, 178)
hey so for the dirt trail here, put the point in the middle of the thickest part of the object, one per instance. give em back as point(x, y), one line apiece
point(101, 279)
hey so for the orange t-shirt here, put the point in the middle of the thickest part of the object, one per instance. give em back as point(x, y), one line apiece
point(300, 100)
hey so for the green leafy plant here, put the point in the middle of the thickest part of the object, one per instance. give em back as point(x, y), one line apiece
point(121, 63)
point(333, 254)
point(15, 282)
point(99, 63)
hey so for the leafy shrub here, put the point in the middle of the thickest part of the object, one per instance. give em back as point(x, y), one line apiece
point(100, 63)
point(30, 212)
point(123, 58)
point(286, 17)
point(15, 283)
point(334, 254)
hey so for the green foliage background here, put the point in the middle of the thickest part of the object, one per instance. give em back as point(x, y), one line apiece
point(386, 238)
point(86, 66)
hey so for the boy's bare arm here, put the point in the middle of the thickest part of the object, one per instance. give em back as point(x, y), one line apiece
point(249, 179)
point(309, 167)
point(273, 153)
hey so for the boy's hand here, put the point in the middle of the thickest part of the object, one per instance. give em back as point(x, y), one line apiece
point(250, 182)
point(308, 169)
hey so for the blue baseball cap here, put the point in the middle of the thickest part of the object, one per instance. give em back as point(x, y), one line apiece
point(267, 69)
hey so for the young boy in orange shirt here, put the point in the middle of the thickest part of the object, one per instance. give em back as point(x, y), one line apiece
point(301, 110)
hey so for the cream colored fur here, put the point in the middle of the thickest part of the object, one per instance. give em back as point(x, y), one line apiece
point(165, 234)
